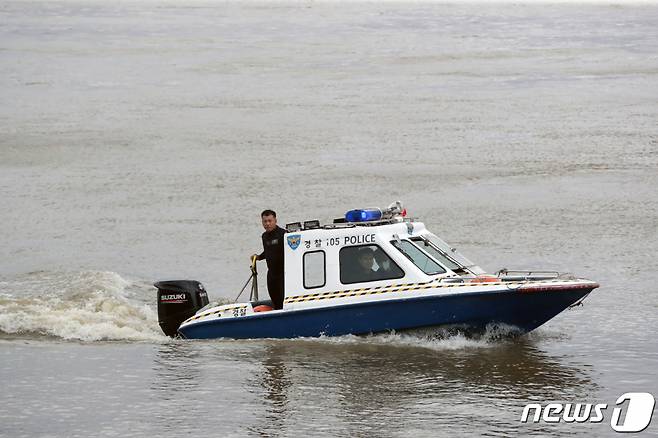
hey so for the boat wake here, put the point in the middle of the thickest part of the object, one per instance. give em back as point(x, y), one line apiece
point(84, 306)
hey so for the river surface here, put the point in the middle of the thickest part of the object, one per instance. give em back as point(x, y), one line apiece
point(139, 141)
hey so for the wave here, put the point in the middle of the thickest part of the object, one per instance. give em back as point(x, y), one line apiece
point(84, 306)
point(434, 338)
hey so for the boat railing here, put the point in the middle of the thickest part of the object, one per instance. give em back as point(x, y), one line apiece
point(521, 275)
point(513, 275)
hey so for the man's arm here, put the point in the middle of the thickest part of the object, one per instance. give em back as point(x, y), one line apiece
point(260, 256)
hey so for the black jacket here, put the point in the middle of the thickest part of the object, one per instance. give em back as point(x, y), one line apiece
point(273, 250)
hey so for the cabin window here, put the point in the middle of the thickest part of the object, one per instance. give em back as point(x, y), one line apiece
point(436, 253)
point(418, 258)
point(364, 263)
point(314, 269)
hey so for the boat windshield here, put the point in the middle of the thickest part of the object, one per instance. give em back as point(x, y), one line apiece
point(439, 255)
point(449, 251)
point(418, 257)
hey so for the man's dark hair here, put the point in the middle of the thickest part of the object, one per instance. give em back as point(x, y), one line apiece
point(365, 252)
point(268, 213)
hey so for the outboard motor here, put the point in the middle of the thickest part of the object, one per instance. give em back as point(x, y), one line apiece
point(177, 301)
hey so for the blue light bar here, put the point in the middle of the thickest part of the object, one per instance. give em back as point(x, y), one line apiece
point(363, 215)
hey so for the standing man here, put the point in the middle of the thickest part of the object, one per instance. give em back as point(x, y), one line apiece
point(273, 254)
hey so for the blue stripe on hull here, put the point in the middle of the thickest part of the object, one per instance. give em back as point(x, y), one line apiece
point(526, 311)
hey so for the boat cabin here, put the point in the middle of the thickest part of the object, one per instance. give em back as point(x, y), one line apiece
point(365, 251)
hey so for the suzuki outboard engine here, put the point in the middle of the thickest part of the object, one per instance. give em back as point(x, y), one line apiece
point(177, 301)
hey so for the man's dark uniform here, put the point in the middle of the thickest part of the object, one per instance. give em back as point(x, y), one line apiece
point(273, 253)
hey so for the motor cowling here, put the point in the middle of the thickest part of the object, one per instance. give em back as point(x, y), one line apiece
point(178, 300)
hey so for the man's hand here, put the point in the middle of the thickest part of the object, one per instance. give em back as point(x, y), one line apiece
point(253, 259)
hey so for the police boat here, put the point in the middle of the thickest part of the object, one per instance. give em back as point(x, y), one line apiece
point(372, 271)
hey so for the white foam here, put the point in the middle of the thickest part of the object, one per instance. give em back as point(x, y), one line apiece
point(439, 339)
point(85, 306)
